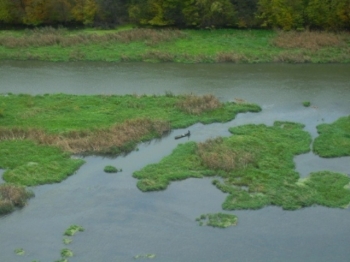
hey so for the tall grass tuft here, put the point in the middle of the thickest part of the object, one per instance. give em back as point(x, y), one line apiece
point(198, 104)
point(12, 196)
point(216, 154)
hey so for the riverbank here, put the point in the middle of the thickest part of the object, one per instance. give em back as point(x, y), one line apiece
point(182, 46)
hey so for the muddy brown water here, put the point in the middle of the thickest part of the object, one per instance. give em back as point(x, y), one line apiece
point(121, 222)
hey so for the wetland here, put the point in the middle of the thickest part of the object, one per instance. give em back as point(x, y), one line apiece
point(129, 223)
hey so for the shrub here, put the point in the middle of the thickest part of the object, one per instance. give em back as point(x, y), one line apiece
point(110, 169)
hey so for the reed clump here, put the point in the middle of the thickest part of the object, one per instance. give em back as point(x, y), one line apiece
point(49, 36)
point(217, 155)
point(12, 196)
point(230, 57)
point(311, 40)
point(196, 105)
point(116, 139)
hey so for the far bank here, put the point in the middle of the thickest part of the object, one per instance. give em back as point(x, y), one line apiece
point(181, 46)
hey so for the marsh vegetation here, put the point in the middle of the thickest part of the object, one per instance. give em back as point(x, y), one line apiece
point(256, 168)
point(39, 134)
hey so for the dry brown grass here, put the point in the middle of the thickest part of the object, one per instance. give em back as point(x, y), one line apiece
point(99, 141)
point(218, 156)
point(12, 196)
point(198, 104)
point(49, 37)
point(310, 40)
point(287, 57)
point(225, 57)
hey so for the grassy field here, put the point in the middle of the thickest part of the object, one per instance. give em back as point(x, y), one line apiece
point(39, 133)
point(333, 139)
point(184, 46)
point(256, 169)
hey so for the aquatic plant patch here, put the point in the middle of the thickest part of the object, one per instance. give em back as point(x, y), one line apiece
point(111, 169)
point(333, 139)
point(147, 256)
point(306, 103)
point(73, 229)
point(12, 196)
point(19, 251)
point(221, 220)
point(256, 169)
point(65, 253)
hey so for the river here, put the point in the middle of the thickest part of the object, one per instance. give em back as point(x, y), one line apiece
point(121, 222)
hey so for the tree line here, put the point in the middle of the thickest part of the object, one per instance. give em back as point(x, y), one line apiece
point(284, 14)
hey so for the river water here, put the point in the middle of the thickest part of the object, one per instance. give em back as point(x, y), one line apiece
point(121, 222)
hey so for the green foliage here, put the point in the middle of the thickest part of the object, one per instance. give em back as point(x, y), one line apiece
point(333, 139)
point(286, 14)
point(218, 220)
point(30, 164)
point(73, 229)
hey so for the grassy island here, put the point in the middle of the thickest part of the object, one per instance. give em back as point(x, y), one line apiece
point(39, 134)
point(184, 46)
point(255, 166)
point(333, 139)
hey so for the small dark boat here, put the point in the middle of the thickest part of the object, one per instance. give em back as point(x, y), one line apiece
point(183, 135)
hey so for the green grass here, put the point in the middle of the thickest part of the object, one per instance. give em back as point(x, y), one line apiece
point(28, 163)
point(188, 46)
point(333, 139)
point(257, 168)
point(59, 113)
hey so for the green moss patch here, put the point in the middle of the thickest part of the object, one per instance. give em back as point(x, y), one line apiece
point(256, 166)
point(333, 139)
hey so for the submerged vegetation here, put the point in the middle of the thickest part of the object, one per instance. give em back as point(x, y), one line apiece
point(13, 196)
point(256, 166)
point(333, 139)
point(217, 220)
point(184, 46)
point(39, 133)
